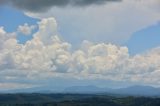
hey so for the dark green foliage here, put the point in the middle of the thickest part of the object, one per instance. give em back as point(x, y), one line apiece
point(74, 100)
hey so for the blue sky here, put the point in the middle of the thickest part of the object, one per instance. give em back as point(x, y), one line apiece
point(11, 18)
point(72, 45)
point(144, 39)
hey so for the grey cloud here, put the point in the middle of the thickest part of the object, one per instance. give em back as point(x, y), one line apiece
point(44, 5)
point(89, 2)
point(3, 1)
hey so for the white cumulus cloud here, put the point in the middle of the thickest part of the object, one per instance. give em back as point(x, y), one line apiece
point(48, 56)
point(26, 29)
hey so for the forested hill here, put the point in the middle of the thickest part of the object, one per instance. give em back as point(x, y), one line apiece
point(74, 100)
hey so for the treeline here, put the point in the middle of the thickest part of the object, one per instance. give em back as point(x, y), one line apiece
point(74, 100)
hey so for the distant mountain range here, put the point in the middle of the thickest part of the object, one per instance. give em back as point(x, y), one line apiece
point(132, 91)
point(138, 91)
point(128, 91)
point(86, 89)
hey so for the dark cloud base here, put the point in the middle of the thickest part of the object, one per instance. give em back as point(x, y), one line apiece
point(44, 5)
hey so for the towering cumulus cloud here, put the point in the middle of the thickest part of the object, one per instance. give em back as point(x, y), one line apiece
point(48, 56)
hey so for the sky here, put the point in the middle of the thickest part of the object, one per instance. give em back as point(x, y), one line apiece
point(61, 43)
